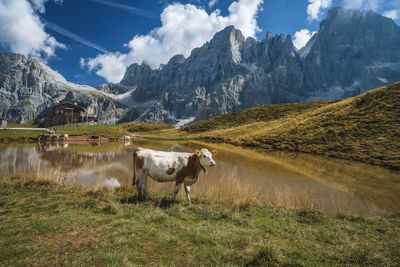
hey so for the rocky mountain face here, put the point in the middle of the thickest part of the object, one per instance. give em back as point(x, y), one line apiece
point(353, 51)
point(227, 73)
point(28, 88)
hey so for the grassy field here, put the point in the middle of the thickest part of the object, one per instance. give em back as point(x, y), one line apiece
point(99, 130)
point(42, 223)
point(364, 128)
point(145, 127)
point(8, 136)
point(21, 125)
point(109, 131)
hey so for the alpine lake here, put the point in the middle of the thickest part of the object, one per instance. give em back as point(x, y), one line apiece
point(291, 180)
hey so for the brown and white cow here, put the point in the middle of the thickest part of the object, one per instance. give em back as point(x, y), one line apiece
point(183, 168)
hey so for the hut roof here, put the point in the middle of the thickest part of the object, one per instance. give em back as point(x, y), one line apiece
point(69, 105)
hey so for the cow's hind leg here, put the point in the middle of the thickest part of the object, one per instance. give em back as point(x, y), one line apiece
point(187, 190)
point(177, 187)
point(139, 188)
point(141, 184)
point(144, 186)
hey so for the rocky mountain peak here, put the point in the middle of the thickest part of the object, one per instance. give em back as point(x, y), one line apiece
point(353, 51)
point(135, 73)
point(177, 59)
point(229, 36)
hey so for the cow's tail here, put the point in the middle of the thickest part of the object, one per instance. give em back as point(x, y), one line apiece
point(134, 167)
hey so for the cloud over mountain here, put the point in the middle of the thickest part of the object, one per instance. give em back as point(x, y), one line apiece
point(301, 38)
point(315, 8)
point(183, 28)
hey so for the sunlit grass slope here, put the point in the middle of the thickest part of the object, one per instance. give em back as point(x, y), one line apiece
point(44, 224)
point(250, 115)
point(363, 128)
point(145, 127)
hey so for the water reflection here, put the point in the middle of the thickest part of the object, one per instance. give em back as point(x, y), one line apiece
point(286, 179)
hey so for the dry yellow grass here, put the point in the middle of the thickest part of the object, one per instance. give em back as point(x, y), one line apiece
point(363, 128)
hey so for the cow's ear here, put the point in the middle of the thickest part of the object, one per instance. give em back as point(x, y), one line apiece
point(197, 152)
point(214, 152)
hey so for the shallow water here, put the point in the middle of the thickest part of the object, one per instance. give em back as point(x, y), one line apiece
point(283, 179)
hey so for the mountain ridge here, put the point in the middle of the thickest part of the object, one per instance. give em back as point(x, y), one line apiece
point(237, 73)
point(353, 51)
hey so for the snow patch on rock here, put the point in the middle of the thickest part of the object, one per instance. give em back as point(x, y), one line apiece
point(183, 122)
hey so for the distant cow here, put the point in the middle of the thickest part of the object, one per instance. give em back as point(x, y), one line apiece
point(163, 166)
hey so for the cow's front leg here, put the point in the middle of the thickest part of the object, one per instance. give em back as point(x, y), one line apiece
point(177, 187)
point(187, 190)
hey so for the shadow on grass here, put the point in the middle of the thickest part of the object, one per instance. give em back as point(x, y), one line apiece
point(163, 203)
point(132, 200)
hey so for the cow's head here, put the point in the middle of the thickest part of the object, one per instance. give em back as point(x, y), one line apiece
point(205, 157)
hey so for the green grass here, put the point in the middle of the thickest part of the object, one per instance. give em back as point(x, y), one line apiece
point(167, 138)
point(7, 136)
point(250, 115)
point(42, 223)
point(364, 128)
point(99, 130)
point(145, 127)
point(20, 125)
point(109, 131)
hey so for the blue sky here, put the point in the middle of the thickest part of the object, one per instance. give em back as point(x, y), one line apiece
point(93, 41)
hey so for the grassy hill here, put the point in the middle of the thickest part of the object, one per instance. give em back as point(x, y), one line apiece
point(364, 128)
point(250, 115)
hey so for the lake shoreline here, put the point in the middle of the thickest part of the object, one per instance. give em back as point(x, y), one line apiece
point(159, 136)
point(71, 224)
point(78, 139)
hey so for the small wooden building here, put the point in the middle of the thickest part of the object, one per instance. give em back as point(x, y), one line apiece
point(65, 113)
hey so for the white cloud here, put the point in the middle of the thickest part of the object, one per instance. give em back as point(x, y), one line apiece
point(184, 27)
point(363, 4)
point(315, 8)
point(110, 66)
point(212, 3)
point(301, 38)
point(393, 14)
point(82, 62)
point(21, 30)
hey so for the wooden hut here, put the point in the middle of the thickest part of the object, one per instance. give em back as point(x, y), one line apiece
point(65, 113)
